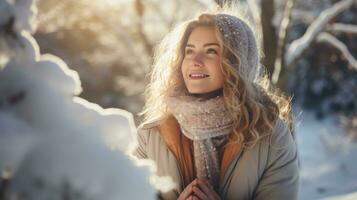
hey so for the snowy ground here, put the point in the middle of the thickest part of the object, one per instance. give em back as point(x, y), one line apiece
point(328, 160)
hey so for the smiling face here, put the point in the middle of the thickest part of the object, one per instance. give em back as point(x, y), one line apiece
point(201, 66)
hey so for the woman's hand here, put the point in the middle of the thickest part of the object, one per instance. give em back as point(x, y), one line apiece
point(204, 190)
point(199, 189)
point(187, 193)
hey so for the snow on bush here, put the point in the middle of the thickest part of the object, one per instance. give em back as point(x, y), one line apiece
point(58, 145)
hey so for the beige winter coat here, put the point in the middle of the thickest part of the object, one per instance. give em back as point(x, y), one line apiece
point(267, 171)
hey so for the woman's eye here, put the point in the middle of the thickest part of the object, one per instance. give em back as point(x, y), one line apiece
point(188, 51)
point(212, 51)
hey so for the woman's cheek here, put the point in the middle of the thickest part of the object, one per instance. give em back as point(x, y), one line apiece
point(184, 70)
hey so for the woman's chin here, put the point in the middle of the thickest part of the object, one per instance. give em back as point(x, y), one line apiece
point(198, 91)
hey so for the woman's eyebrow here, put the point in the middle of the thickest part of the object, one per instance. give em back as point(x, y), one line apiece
point(210, 44)
point(205, 45)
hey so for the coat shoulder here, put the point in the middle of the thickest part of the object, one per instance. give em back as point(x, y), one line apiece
point(144, 141)
point(281, 136)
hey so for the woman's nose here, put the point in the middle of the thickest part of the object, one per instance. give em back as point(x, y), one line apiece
point(198, 60)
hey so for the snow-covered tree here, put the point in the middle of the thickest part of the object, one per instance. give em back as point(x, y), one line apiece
point(54, 144)
point(315, 56)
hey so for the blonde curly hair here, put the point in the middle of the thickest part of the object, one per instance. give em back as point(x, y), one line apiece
point(252, 101)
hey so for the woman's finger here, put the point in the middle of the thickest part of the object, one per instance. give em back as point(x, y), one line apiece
point(216, 196)
point(185, 194)
point(200, 194)
point(195, 198)
point(188, 191)
point(206, 187)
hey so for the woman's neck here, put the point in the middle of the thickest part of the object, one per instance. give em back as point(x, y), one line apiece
point(210, 95)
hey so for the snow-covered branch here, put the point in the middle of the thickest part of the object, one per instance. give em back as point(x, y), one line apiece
point(342, 28)
point(300, 45)
point(326, 37)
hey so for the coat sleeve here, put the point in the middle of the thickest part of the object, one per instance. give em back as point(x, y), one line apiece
point(280, 179)
point(140, 151)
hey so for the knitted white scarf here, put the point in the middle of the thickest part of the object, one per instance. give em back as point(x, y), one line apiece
point(207, 123)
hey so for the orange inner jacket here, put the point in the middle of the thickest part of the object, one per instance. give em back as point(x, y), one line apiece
point(182, 148)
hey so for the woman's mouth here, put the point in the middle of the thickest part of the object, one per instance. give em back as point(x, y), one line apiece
point(198, 76)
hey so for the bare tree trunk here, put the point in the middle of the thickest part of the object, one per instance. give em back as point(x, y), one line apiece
point(279, 70)
point(269, 35)
point(139, 8)
point(5, 179)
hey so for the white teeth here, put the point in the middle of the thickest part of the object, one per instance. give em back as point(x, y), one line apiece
point(198, 75)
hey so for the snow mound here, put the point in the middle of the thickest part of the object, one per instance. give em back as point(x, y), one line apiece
point(81, 167)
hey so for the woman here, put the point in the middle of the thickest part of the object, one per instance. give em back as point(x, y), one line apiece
point(212, 122)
